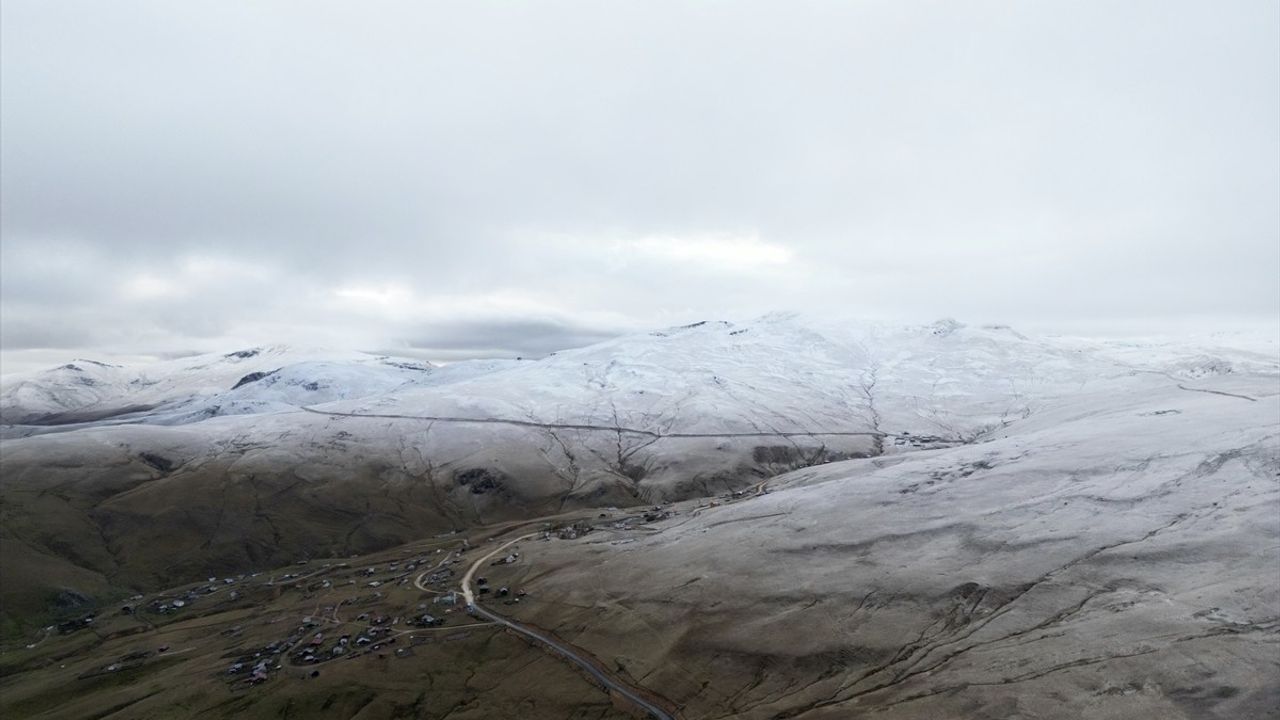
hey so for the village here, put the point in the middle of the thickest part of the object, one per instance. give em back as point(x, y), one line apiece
point(321, 616)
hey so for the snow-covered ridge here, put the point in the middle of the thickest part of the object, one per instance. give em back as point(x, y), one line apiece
point(777, 373)
point(192, 388)
point(227, 460)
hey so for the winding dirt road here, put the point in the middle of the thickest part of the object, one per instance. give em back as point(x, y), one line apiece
point(590, 666)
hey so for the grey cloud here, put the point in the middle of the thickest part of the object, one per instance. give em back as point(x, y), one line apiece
point(509, 338)
point(1032, 163)
point(23, 333)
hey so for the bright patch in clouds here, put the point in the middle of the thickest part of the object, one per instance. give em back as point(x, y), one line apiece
point(148, 287)
point(385, 296)
point(188, 276)
point(711, 252)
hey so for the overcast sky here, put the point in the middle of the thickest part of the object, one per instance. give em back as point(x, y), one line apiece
point(476, 178)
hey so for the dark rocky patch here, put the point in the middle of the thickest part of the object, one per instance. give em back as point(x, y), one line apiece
point(635, 472)
point(158, 462)
point(967, 590)
point(792, 455)
point(68, 599)
point(407, 366)
point(73, 417)
point(778, 454)
point(481, 480)
point(1199, 700)
point(253, 377)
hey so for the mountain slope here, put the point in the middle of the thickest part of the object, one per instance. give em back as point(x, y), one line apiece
point(1113, 556)
point(221, 463)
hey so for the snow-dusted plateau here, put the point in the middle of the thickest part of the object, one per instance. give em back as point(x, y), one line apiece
point(775, 519)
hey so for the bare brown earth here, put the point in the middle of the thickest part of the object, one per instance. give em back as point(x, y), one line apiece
point(114, 511)
point(151, 664)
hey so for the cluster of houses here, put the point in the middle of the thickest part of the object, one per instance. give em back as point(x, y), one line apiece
point(165, 605)
point(926, 442)
point(256, 668)
point(374, 638)
point(655, 513)
point(307, 643)
point(125, 662)
point(569, 532)
point(317, 650)
point(580, 528)
point(257, 673)
point(509, 559)
point(482, 586)
point(440, 576)
point(69, 626)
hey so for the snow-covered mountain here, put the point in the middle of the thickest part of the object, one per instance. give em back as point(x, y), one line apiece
point(1115, 554)
point(776, 374)
point(189, 389)
point(200, 464)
